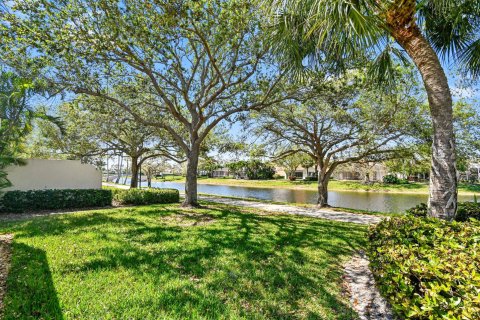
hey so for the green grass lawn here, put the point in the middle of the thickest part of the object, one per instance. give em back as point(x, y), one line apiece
point(334, 185)
point(164, 262)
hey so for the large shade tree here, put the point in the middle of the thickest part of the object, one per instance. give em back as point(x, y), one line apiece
point(195, 63)
point(343, 121)
point(337, 31)
point(96, 127)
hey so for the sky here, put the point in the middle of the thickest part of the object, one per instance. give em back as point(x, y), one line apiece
point(470, 93)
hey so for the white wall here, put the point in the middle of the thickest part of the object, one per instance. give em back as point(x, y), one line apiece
point(40, 174)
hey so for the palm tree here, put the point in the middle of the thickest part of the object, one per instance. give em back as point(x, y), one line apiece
point(16, 117)
point(334, 32)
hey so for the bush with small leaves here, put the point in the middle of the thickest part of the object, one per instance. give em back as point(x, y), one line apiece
point(391, 179)
point(465, 211)
point(35, 200)
point(146, 196)
point(427, 268)
point(419, 210)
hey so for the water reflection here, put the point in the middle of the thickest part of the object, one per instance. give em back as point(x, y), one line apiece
point(373, 201)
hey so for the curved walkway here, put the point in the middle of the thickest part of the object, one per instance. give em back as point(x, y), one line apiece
point(288, 209)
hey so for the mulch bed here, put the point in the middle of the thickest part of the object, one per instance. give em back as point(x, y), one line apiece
point(5, 259)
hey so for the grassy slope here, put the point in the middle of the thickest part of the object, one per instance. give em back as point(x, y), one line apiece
point(334, 185)
point(164, 262)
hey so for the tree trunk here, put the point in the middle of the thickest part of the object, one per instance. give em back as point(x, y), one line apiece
point(442, 201)
point(191, 199)
point(119, 169)
point(134, 178)
point(367, 177)
point(323, 179)
point(140, 174)
point(108, 173)
point(126, 174)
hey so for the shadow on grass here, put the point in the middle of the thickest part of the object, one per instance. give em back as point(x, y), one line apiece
point(240, 265)
point(30, 290)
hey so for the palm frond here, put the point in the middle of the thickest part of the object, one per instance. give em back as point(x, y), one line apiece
point(470, 58)
point(383, 70)
point(306, 33)
point(57, 121)
point(453, 28)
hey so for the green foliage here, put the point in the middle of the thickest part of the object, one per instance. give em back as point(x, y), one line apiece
point(257, 170)
point(16, 118)
point(185, 67)
point(146, 196)
point(465, 211)
point(419, 210)
point(34, 200)
point(292, 161)
point(427, 268)
point(208, 164)
point(253, 169)
point(335, 32)
point(391, 179)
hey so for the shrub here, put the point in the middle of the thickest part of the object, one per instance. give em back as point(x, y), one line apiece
point(310, 178)
point(427, 268)
point(146, 196)
point(419, 210)
point(465, 211)
point(391, 179)
point(21, 201)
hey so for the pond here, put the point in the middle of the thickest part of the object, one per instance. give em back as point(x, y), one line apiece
point(372, 201)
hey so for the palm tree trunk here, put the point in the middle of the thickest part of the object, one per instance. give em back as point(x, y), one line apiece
point(442, 202)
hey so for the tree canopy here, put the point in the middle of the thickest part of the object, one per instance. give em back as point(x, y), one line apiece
point(194, 64)
point(343, 120)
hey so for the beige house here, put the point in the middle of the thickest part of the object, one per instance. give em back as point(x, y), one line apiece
point(39, 174)
point(357, 171)
point(361, 171)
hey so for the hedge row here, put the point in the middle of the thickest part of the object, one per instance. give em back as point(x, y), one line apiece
point(465, 211)
point(428, 268)
point(34, 200)
point(145, 196)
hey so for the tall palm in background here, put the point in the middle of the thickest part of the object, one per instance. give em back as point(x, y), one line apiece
point(336, 32)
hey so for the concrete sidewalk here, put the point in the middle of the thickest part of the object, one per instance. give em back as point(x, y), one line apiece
point(288, 209)
point(310, 212)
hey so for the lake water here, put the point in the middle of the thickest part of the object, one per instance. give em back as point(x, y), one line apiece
point(373, 201)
